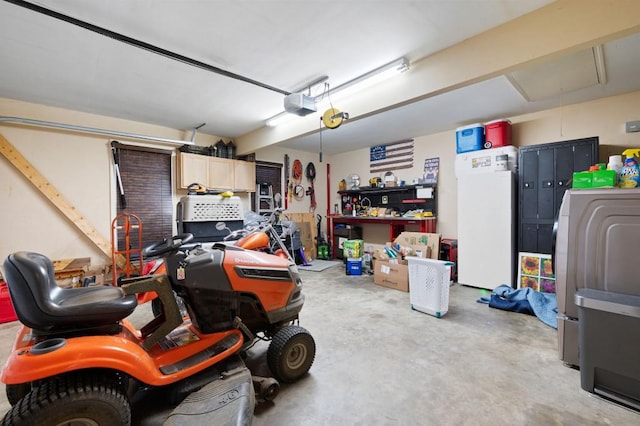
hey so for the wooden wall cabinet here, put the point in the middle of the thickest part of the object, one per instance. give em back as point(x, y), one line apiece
point(216, 173)
point(221, 173)
point(244, 176)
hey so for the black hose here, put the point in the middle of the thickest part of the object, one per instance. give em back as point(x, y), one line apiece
point(310, 172)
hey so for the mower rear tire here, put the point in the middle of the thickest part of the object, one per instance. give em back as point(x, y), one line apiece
point(291, 353)
point(74, 399)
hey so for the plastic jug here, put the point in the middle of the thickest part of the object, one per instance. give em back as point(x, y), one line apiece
point(630, 172)
point(615, 164)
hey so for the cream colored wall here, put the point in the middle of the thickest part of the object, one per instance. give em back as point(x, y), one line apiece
point(604, 118)
point(78, 165)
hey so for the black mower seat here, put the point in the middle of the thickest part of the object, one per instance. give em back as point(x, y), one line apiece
point(42, 305)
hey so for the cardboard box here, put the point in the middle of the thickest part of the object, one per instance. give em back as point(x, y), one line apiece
point(420, 242)
point(582, 180)
point(393, 273)
point(604, 179)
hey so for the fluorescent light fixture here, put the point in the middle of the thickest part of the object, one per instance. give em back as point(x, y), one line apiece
point(344, 90)
point(367, 80)
point(279, 119)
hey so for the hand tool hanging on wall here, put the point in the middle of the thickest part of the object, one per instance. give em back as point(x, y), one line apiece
point(116, 165)
point(310, 172)
point(287, 192)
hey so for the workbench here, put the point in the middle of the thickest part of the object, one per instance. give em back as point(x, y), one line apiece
point(396, 224)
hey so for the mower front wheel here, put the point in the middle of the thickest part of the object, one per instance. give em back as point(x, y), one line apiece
point(291, 353)
point(16, 392)
point(77, 400)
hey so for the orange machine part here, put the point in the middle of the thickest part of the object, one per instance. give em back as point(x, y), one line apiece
point(121, 352)
point(272, 294)
point(254, 241)
point(126, 223)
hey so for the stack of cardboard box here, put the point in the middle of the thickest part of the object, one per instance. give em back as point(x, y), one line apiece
point(393, 272)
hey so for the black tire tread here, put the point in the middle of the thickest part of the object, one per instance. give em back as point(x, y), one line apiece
point(72, 387)
point(16, 392)
point(276, 352)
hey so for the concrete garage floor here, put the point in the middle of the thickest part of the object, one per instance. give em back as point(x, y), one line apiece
point(380, 363)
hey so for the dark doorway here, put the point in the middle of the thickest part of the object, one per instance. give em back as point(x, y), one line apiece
point(269, 173)
point(146, 179)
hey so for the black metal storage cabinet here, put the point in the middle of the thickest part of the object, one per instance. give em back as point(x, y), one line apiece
point(545, 173)
point(348, 232)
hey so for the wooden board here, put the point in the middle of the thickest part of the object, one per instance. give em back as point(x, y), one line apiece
point(70, 268)
point(306, 218)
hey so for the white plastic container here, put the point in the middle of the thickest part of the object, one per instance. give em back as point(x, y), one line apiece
point(615, 163)
point(487, 161)
point(429, 281)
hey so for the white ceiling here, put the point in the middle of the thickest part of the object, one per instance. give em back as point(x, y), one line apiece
point(283, 44)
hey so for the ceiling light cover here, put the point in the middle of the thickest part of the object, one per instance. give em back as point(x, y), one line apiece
point(571, 72)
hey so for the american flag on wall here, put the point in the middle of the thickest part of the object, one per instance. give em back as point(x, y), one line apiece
point(392, 156)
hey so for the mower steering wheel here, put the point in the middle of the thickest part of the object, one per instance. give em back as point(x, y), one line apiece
point(167, 245)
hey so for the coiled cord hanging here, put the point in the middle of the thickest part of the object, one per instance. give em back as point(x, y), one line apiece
point(310, 172)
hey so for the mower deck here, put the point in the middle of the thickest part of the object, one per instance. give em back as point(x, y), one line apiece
point(226, 401)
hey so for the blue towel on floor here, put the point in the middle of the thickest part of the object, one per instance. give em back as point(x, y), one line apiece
point(543, 305)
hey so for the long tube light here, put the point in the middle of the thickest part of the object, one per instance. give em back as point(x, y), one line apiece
point(93, 130)
point(349, 88)
point(367, 80)
point(279, 119)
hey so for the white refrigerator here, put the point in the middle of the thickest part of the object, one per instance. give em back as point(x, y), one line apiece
point(487, 208)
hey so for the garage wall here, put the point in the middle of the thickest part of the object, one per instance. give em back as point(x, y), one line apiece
point(78, 165)
point(604, 118)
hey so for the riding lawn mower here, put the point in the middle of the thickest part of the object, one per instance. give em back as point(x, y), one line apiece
point(79, 360)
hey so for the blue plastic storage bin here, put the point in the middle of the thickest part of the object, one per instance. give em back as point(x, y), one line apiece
point(469, 138)
point(354, 266)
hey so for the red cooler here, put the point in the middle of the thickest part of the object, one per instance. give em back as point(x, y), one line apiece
point(497, 133)
point(7, 313)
